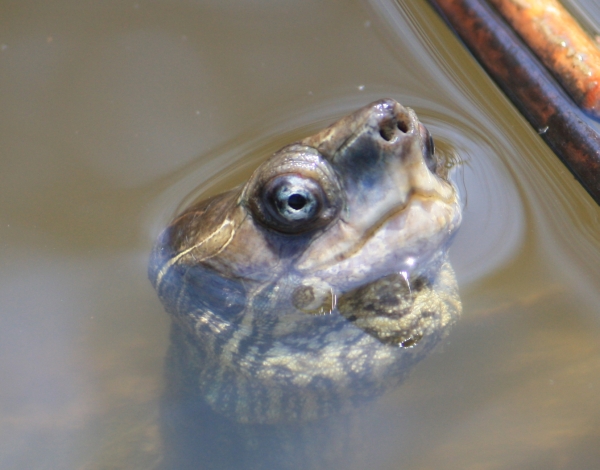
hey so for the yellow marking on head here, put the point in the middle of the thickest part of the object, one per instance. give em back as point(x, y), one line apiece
point(176, 258)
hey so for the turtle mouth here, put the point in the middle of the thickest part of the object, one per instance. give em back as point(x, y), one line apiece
point(395, 219)
point(402, 239)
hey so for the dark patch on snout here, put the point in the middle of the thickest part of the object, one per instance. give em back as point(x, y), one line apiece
point(364, 161)
point(362, 158)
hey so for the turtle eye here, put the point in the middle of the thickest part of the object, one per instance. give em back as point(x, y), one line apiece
point(293, 203)
point(430, 144)
point(428, 148)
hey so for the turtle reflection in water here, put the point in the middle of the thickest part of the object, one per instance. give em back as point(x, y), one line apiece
point(306, 292)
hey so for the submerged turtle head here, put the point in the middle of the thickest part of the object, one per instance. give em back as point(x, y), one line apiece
point(311, 281)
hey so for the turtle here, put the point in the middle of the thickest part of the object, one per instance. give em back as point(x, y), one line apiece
point(302, 295)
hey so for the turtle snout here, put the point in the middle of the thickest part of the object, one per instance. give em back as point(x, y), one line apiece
point(392, 120)
point(394, 125)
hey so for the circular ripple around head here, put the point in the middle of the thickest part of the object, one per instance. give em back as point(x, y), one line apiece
point(493, 224)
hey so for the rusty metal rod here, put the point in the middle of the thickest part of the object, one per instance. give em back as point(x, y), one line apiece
point(529, 86)
point(561, 44)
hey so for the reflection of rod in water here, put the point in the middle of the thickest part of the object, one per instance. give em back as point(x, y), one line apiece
point(524, 80)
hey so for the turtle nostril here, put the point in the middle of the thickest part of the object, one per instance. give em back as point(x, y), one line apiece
point(392, 126)
point(386, 133)
point(388, 130)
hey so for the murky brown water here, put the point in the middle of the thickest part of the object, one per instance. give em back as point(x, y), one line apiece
point(114, 112)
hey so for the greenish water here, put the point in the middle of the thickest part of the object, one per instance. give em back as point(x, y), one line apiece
point(113, 113)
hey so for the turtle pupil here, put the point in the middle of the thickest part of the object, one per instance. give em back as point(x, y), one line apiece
point(296, 201)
